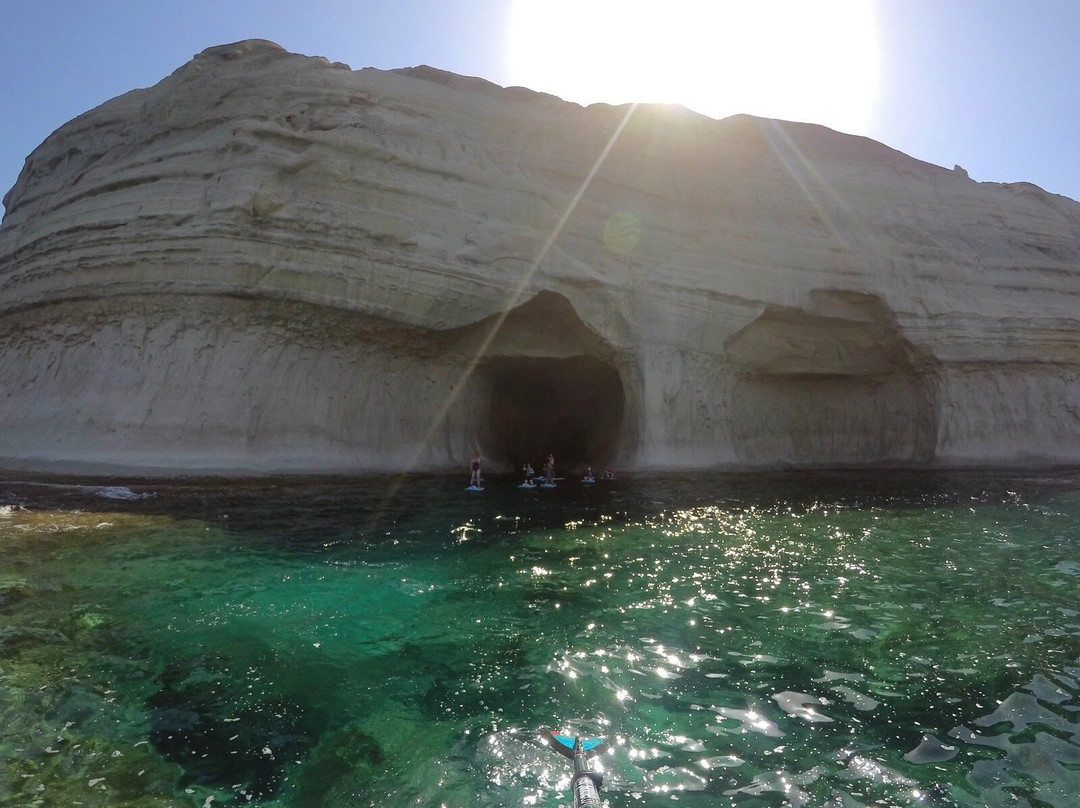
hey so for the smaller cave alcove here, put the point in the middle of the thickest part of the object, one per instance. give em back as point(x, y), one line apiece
point(569, 407)
point(838, 384)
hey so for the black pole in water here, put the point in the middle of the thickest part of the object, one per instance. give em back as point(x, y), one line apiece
point(586, 783)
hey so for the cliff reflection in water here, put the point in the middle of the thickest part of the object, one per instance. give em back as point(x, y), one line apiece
point(769, 640)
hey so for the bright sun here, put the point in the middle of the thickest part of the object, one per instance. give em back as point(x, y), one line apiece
point(801, 60)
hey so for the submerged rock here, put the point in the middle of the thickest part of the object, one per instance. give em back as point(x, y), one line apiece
point(272, 263)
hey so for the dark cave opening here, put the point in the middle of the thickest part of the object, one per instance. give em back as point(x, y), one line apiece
point(571, 408)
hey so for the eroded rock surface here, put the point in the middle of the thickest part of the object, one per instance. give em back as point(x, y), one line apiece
point(271, 263)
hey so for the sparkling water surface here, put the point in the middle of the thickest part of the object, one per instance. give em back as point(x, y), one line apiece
point(766, 640)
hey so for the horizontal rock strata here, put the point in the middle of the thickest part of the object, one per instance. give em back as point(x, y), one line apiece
point(272, 263)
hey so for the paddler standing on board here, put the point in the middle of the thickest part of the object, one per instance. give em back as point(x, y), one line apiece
point(549, 470)
point(474, 480)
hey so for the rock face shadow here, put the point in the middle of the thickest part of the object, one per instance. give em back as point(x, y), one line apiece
point(835, 385)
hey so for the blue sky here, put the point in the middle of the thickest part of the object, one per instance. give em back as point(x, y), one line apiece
point(987, 84)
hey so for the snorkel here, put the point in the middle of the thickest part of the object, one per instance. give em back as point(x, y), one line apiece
point(585, 786)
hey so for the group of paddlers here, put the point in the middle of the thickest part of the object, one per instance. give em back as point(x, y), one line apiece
point(549, 471)
point(532, 479)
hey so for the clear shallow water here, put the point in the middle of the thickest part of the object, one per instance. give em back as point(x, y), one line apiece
point(834, 640)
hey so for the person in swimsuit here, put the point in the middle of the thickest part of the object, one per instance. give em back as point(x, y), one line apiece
point(475, 479)
point(549, 470)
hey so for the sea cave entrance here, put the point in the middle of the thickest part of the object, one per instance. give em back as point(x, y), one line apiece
point(569, 407)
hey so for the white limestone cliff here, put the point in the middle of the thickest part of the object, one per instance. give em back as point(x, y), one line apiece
point(271, 263)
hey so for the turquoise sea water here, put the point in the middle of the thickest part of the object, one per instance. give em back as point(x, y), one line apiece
point(772, 640)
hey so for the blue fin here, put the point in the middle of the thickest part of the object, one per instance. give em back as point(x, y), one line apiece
point(565, 744)
point(562, 743)
point(593, 745)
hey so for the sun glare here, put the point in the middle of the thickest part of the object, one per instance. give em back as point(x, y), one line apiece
point(802, 60)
